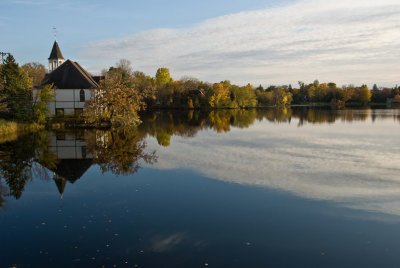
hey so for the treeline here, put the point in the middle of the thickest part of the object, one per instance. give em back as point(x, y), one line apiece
point(165, 92)
point(349, 94)
point(124, 92)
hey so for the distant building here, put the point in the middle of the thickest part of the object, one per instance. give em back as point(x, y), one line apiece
point(72, 84)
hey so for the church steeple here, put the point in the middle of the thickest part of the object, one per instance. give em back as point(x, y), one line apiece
point(60, 182)
point(56, 58)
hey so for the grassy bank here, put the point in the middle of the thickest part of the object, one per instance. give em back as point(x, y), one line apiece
point(10, 130)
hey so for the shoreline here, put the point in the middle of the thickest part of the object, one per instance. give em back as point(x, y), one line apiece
point(10, 130)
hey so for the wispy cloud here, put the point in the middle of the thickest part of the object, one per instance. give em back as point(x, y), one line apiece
point(345, 41)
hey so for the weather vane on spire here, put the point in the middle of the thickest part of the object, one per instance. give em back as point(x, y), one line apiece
point(55, 33)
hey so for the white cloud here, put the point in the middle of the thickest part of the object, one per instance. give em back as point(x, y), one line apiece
point(353, 165)
point(344, 41)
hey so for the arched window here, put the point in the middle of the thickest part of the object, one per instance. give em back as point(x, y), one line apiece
point(82, 95)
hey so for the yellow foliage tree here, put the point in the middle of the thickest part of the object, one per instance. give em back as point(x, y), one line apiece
point(220, 98)
point(116, 101)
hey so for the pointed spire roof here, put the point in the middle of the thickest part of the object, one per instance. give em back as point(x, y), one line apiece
point(56, 52)
point(60, 182)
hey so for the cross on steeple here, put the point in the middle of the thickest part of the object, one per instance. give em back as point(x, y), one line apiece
point(55, 33)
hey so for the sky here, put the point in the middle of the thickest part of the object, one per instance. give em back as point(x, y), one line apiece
point(253, 41)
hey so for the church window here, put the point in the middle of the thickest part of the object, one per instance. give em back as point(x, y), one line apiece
point(82, 95)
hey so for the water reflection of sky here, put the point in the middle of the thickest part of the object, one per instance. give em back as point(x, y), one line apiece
point(355, 164)
point(271, 195)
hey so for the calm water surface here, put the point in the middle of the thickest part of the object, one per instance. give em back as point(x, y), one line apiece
point(257, 188)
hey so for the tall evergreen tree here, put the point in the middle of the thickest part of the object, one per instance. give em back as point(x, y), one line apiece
point(15, 90)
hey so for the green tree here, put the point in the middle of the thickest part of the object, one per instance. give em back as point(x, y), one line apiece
point(264, 97)
point(44, 96)
point(15, 87)
point(244, 96)
point(163, 77)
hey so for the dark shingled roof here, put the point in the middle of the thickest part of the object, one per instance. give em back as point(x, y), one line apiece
point(56, 52)
point(70, 75)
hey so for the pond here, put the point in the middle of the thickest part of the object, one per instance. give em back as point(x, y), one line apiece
point(297, 187)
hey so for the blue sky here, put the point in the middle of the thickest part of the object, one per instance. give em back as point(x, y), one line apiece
point(82, 21)
point(261, 42)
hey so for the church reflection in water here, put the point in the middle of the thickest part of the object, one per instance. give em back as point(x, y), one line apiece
point(65, 155)
point(73, 160)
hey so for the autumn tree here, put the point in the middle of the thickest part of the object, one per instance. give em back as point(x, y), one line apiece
point(116, 101)
point(281, 97)
point(163, 77)
point(146, 87)
point(364, 94)
point(36, 71)
point(125, 67)
point(221, 95)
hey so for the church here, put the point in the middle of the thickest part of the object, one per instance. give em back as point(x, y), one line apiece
point(72, 84)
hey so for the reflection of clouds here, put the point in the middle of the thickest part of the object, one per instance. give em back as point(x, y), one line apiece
point(356, 165)
point(163, 244)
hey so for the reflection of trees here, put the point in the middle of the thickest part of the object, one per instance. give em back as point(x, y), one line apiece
point(122, 151)
point(326, 115)
point(278, 115)
point(119, 151)
point(164, 124)
point(44, 156)
point(220, 120)
point(16, 160)
point(2, 193)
